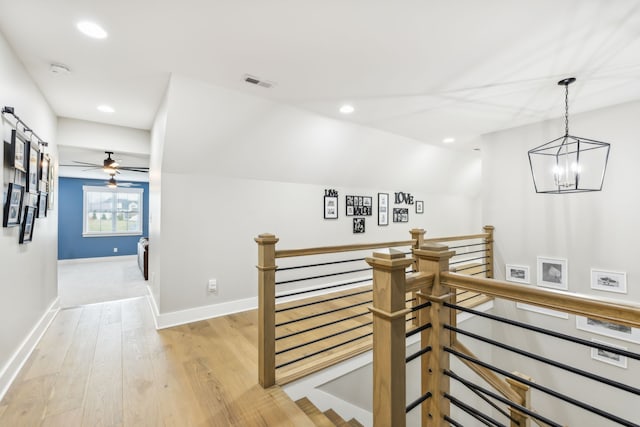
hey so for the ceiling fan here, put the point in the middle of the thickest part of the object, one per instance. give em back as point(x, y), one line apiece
point(109, 165)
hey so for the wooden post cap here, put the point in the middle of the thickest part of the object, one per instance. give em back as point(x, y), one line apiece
point(266, 238)
point(389, 253)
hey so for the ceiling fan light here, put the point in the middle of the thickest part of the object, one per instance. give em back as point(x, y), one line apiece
point(112, 183)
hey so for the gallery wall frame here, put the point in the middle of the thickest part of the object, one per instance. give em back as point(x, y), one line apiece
point(608, 329)
point(330, 207)
point(33, 168)
point(553, 273)
point(609, 357)
point(383, 209)
point(517, 273)
point(609, 281)
point(42, 205)
point(28, 223)
point(400, 214)
point(419, 206)
point(13, 205)
point(358, 205)
point(358, 225)
point(18, 151)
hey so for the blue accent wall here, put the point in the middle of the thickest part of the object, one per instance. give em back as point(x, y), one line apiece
point(71, 244)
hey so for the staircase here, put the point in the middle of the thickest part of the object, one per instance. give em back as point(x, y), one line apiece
point(328, 418)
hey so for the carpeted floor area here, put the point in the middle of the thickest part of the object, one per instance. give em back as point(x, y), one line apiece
point(88, 282)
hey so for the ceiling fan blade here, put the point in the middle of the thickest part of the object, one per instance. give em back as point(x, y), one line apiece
point(92, 166)
point(87, 163)
point(134, 169)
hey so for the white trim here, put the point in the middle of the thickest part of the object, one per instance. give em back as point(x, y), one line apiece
point(11, 369)
point(98, 259)
point(181, 317)
point(114, 210)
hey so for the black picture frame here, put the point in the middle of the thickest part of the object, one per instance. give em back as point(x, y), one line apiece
point(42, 205)
point(330, 207)
point(419, 206)
point(33, 168)
point(383, 209)
point(400, 214)
point(18, 151)
point(13, 205)
point(358, 225)
point(358, 205)
point(45, 162)
point(28, 223)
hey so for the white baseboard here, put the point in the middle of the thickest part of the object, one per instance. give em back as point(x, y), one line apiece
point(98, 259)
point(181, 317)
point(11, 369)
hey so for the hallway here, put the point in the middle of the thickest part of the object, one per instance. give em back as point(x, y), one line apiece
point(105, 364)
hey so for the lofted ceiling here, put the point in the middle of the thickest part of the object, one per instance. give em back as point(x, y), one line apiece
point(424, 69)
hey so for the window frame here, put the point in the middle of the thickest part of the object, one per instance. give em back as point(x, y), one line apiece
point(114, 210)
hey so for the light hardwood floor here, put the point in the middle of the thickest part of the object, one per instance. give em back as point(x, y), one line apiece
point(105, 365)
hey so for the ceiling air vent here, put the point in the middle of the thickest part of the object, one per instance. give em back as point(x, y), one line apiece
point(256, 81)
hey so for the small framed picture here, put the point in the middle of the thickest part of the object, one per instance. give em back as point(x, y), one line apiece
point(18, 151)
point(553, 273)
point(608, 356)
point(330, 207)
point(358, 225)
point(26, 232)
point(42, 205)
point(33, 172)
point(609, 281)
point(383, 208)
point(419, 206)
point(517, 273)
point(400, 214)
point(609, 329)
point(13, 205)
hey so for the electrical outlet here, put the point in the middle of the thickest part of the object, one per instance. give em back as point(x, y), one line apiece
point(213, 286)
point(115, 250)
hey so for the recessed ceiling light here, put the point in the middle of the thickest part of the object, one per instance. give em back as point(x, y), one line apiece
point(91, 29)
point(106, 108)
point(347, 109)
point(448, 140)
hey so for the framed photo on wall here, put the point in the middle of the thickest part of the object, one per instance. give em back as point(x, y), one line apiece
point(26, 232)
point(607, 356)
point(358, 225)
point(42, 205)
point(609, 281)
point(330, 207)
point(18, 151)
point(419, 206)
point(400, 214)
point(609, 329)
point(33, 170)
point(13, 205)
point(383, 208)
point(553, 273)
point(517, 273)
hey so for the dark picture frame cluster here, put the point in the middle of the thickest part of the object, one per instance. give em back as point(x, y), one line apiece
point(28, 192)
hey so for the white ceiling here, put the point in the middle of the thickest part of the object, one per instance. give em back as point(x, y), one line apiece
point(424, 69)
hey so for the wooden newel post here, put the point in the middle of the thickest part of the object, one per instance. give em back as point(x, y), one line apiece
point(417, 234)
point(266, 309)
point(434, 258)
point(389, 345)
point(520, 419)
point(488, 242)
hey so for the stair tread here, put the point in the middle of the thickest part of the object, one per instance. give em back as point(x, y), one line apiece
point(314, 414)
point(335, 418)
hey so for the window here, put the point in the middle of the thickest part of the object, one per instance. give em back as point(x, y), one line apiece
point(112, 211)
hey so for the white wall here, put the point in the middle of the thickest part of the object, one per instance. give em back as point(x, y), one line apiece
point(28, 284)
point(85, 134)
point(590, 230)
point(234, 166)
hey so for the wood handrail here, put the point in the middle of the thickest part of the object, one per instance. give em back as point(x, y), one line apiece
point(418, 280)
point(621, 312)
point(456, 238)
point(286, 253)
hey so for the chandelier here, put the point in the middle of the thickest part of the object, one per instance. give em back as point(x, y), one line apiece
point(569, 164)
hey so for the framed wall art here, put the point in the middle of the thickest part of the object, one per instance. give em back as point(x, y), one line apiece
point(45, 161)
point(18, 151)
point(607, 356)
point(609, 281)
point(13, 205)
point(33, 170)
point(400, 214)
point(358, 225)
point(330, 207)
point(358, 205)
point(26, 232)
point(609, 329)
point(517, 273)
point(42, 205)
point(553, 273)
point(383, 208)
point(419, 206)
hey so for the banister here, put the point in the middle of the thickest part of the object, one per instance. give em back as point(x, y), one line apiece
point(286, 253)
point(621, 312)
point(415, 281)
point(457, 238)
